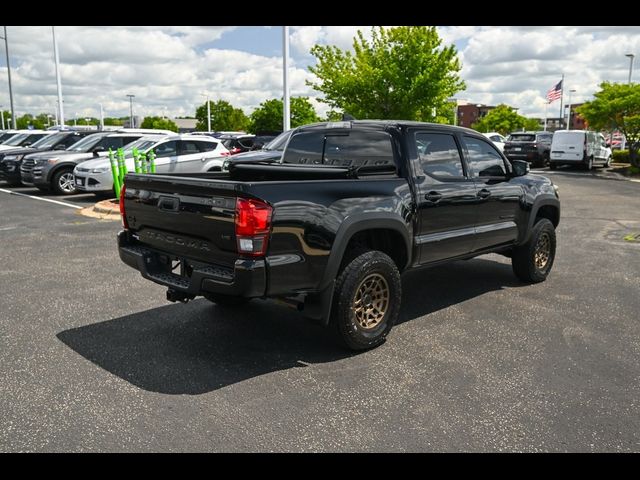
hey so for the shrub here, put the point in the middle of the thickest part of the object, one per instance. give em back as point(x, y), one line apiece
point(621, 156)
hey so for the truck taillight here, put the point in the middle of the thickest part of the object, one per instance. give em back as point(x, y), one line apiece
point(253, 222)
point(123, 214)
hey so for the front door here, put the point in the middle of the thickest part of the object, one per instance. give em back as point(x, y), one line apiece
point(166, 157)
point(446, 198)
point(498, 198)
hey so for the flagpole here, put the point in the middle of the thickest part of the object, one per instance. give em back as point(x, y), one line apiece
point(561, 97)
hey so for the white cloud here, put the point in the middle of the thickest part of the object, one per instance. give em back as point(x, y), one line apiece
point(171, 66)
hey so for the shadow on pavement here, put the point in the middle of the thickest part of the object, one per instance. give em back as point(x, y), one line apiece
point(201, 347)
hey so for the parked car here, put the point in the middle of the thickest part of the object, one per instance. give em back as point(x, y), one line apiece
point(11, 160)
point(174, 154)
point(497, 139)
point(579, 147)
point(533, 147)
point(271, 152)
point(331, 228)
point(237, 143)
point(54, 170)
point(6, 135)
point(24, 138)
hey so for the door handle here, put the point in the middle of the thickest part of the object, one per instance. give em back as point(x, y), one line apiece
point(433, 196)
point(484, 193)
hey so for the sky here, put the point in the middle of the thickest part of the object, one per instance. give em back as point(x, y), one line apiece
point(171, 69)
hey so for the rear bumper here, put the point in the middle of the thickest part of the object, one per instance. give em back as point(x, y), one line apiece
point(247, 278)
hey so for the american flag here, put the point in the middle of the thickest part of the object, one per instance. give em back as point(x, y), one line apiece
point(555, 93)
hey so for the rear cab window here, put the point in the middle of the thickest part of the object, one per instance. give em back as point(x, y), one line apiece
point(348, 148)
point(483, 158)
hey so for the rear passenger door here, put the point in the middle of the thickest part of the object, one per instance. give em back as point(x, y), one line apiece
point(166, 157)
point(498, 197)
point(190, 158)
point(446, 197)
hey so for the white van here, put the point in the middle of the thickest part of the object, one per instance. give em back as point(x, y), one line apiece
point(579, 147)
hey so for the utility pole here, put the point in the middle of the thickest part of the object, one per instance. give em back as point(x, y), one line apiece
point(131, 122)
point(101, 117)
point(6, 46)
point(286, 120)
point(58, 81)
point(2, 115)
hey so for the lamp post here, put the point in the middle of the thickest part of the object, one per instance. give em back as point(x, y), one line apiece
point(131, 123)
point(569, 114)
point(286, 120)
point(6, 45)
point(58, 81)
point(455, 110)
point(631, 56)
point(208, 111)
point(2, 116)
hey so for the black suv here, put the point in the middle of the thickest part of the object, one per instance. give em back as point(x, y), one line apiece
point(237, 143)
point(534, 147)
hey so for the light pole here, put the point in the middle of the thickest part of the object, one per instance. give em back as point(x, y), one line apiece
point(75, 120)
point(6, 45)
point(58, 80)
point(286, 120)
point(569, 114)
point(455, 110)
point(131, 123)
point(208, 111)
point(631, 56)
point(2, 115)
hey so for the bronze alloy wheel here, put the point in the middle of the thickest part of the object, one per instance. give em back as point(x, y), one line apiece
point(542, 251)
point(371, 301)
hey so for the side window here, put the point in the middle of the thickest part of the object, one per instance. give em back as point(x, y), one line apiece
point(305, 148)
point(483, 158)
point(439, 155)
point(188, 147)
point(128, 140)
point(207, 146)
point(358, 148)
point(166, 149)
point(111, 143)
point(69, 140)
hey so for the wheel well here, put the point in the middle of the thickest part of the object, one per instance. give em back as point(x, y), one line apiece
point(385, 240)
point(550, 213)
point(64, 166)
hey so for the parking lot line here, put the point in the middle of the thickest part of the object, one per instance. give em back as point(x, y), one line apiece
point(40, 198)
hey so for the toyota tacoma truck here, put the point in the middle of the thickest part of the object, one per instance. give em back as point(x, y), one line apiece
point(334, 224)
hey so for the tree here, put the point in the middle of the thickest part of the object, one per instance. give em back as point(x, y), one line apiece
point(402, 73)
point(504, 119)
point(616, 107)
point(159, 123)
point(117, 122)
point(268, 116)
point(223, 117)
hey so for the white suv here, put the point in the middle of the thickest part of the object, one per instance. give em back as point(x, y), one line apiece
point(174, 154)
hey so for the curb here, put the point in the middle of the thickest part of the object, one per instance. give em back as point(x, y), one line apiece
point(104, 210)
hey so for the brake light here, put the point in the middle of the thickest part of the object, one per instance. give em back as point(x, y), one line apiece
point(253, 222)
point(225, 154)
point(123, 214)
point(234, 150)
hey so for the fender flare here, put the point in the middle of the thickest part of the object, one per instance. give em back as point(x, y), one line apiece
point(358, 223)
point(541, 201)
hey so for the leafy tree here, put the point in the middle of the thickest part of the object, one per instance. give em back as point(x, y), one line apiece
point(333, 116)
point(402, 73)
point(504, 119)
point(223, 117)
point(616, 106)
point(268, 116)
point(117, 122)
point(159, 123)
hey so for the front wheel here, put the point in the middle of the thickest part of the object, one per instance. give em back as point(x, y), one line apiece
point(533, 260)
point(63, 182)
point(589, 165)
point(366, 301)
point(608, 163)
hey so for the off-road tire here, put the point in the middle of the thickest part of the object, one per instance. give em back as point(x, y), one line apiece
point(530, 263)
point(359, 273)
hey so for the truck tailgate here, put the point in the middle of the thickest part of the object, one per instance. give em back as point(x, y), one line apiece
point(190, 217)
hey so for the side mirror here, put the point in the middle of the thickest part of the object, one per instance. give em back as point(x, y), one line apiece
point(520, 168)
point(26, 144)
point(97, 150)
point(59, 147)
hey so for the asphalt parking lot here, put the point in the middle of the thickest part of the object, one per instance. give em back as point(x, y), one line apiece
point(92, 358)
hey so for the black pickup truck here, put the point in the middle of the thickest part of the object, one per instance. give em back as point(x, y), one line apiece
point(333, 225)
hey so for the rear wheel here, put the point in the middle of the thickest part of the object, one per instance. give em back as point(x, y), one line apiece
point(553, 166)
point(366, 301)
point(226, 300)
point(608, 163)
point(545, 159)
point(532, 261)
point(63, 182)
point(589, 165)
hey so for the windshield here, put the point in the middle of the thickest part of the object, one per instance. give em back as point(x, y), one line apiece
point(5, 136)
point(86, 144)
point(49, 140)
point(141, 145)
point(16, 139)
point(522, 138)
point(279, 142)
point(568, 138)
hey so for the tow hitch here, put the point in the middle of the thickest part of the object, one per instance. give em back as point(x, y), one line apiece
point(175, 296)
